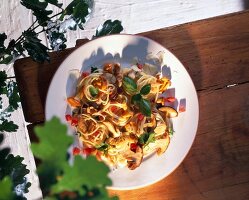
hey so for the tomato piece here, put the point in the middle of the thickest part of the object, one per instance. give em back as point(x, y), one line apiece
point(74, 121)
point(76, 151)
point(140, 116)
point(96, 133)
point(85, 74)
point(87, 151)
point(68, 118)
point(139, 66)
point(114, 109)
point(170, 99)
point(133, 147)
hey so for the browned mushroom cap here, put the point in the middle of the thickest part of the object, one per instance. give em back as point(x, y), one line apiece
point(170, 112)
point(122, 144)
point(134, 159)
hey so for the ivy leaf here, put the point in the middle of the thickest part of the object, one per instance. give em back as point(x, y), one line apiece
point(3, 37)
point(129, 85)
point(6, 189)
point(3, 78)
point(109, 28)
point(39, 10)
point(85, 172)
point(145, 89)
point(35, 48)
point(13, 95)
point(8, 126)
point(57, 40)
point(145, 107)
point(12, 166)
point(79, 9)
point(7, 59)
point(54, 2)
point(51, 150)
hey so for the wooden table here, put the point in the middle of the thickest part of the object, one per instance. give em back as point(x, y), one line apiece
point(216, 54)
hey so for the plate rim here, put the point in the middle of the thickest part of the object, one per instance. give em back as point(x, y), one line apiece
point(195, 96)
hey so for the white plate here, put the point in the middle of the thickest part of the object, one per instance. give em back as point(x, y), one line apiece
point(122, 48)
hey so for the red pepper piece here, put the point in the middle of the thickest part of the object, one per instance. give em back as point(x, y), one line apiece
point(170, 99)
point(74, 121)
point(85, 74)
point(133, 147)
point(140, 116)
point(68, 118)
point(87, 151)
point(76, 151)
point(140, 66)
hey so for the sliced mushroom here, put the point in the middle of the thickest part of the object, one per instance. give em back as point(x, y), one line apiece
point(162, 143)
point(170, 112)
point(122, 145)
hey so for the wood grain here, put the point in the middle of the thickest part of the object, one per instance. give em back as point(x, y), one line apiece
point(216, 56)
point(217, 166)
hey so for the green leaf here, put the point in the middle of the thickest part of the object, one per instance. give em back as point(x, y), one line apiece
point(6, 189)
point(145, 107)
point(3, 78)
point(109, 28)
point(57, 40)
point(135, 99)
point(145, 89)
point(79, 11)
point(12, 166)
point(13, 95)
point(3, 37)
point(54, 2)
point(39, 10)
point(129, 85)
point(146, 138)
point(94, 69)
point(8, 126)
point(85, 172)
point(35, 48)
point(51, 150)
point(102, 147)
point(6, 60)
point(171, 131)
point(93, 91)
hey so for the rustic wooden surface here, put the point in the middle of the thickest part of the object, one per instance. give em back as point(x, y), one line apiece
point(216, 54)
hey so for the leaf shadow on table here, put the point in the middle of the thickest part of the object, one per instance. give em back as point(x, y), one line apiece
point(181, 182)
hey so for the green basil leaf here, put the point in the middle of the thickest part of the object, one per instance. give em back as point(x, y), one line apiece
point(94, 69)
point(109, 28)
point(93, 91)
point(136, 98)
point(129, 85)
point(145, 89)
point(145, 107)
point(146, 138)
point(102, 147)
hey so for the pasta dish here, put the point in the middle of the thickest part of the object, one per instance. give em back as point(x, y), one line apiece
point(120, 113)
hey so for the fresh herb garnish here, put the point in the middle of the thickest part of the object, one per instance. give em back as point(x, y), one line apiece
point(145, 89)
point(102, 147)
point(94, 69)
point(171, 132)
point(93, 91)
point(146, 138)
point(129, 85)
point(143, 104)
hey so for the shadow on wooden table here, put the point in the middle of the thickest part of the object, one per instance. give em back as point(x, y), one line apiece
point(216, 57)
